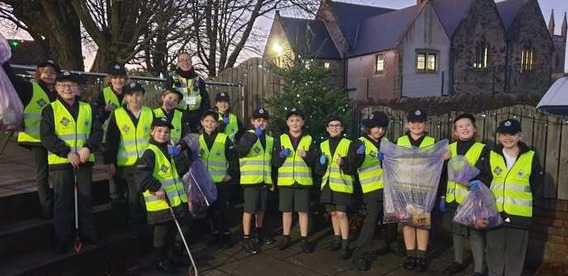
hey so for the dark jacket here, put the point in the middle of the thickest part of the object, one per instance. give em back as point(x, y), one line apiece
point(145, 179)
point(230, 153)
point(354, 162)
point(54, 144)
point(100, 104)
point(536, 180)
point(311, 154)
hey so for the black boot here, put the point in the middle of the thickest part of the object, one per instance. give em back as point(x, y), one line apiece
point(410, 263)
point(249, 246)
point(344, 252)
point(284, 243)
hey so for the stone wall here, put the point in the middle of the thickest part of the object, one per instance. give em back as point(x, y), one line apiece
point(548, 239)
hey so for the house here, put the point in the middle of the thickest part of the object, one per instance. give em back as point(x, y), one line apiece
point(432, 48)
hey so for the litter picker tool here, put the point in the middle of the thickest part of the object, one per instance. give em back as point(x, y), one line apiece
point(193, 267)
point(199, 188)
point(78, 245)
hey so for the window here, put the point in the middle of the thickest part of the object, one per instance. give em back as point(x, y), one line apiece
point(380, 64)
point(480, 56)
point(527, 59)
point(326, 65)
point(426, 62)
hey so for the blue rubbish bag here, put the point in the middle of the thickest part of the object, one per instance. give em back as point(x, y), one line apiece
point(460, 171)
point(11, 108)
point(200, 188)
point(478, 210)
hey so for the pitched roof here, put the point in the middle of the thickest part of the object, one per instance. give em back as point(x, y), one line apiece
point(309, 37)
point(383, 32)
point(451, 13)
point(508, 11)
point(349, 16)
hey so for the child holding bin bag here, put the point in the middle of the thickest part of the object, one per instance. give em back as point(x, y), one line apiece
point(465, 136)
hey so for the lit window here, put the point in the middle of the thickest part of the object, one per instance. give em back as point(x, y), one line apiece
point(426, 62)
point(326, 65)
point(527, 59)
point(480, 56)
point(380, 64)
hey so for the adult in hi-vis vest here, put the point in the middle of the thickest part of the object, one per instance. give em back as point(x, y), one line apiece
point(517, 183)
point(111, 98)
point(465, 143)
point(127, 137)
point(336, 184)
point(294, 155)
point(415, 239)
point(255, 160)
point(364, 155)
point(229, 122)
point(71, 132)
point(186, 80)
point(158, 173)
point(35, 96)
point(219, 155)
point(176, 117)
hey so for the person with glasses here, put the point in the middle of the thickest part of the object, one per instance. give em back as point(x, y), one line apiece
point(336, 184)
point(192, 87)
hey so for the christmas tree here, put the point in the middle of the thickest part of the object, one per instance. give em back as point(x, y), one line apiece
point(313, 89)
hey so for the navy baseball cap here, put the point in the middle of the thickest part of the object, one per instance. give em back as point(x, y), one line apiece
point(116, 69)
point(222, 97)
point(509, 126)
point(295, 111)
point(376, 118)
point(417, 115)
point(162, 121)
point(134, 87)
point(260, 113)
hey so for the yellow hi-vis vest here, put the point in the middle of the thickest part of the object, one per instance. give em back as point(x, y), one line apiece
point(294, 169)
point(455, 191)
point(73, 133)
point(109, 97)
point(232, 128)
point(511, 187)
point(134, 139)
point(165, 171)
point(338, 182)
point(370, 172)
point(191, 96)
point(404, 141)
point(175, 134)
point(32, 115)
point(214, 159)
point(256, 167)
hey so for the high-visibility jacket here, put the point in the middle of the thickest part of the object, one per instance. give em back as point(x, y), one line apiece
point(511, 187)
point(191, 97)
point(334, 177)
point(294, 169)
point(175, 134)
point(256, 167)
point(232, 128)
point(405, 141)
point(134, 139)
point(165, 171)
point(32, 115)
point(370, 173)
point(73, 133)
point(454, 191)
point(109, 97)
point(214, 158)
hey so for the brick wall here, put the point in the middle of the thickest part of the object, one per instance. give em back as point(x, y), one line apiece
point(548, 242)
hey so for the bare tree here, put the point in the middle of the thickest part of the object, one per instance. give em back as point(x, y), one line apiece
point(53, 24)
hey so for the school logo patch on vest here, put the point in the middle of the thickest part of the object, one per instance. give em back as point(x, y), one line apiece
point(201, 152)
point(41, 102)
point(218, 153)
point(125, 128)
point(257, 150)
point(373, 154)
point(64, 121)
point(521, 174)
point(164, 168)
point(498, 170)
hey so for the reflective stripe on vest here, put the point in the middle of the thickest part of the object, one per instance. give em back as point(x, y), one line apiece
point(73, 133)
point(165, 171)
point(175, 134)
point(511, 187)
point(256, 167)
point(214, 159)
point(133, 139)
point(191, 96)
point(232, 128)
point(404, 141)
point(370, 172)
point(109, 97)
point(454, 191)
point(32, 115)
point(338, 181)
point(294, 169)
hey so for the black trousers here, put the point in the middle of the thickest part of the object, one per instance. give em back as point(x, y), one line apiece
point(136, 205)
point(218, 210)
point(365, 241)
point(42, 179)
point(64, 207)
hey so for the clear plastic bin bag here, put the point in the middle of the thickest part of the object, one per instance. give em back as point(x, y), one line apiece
point(411, 178)
point(11, 108)
point(200, 188)
point(460, 171)
point(478, 210)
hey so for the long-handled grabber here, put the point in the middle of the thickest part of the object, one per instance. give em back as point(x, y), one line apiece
point(193, 267)
point(78, 245)
point(199, 188)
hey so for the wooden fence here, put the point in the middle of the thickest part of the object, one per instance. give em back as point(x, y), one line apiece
point(546, 135)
